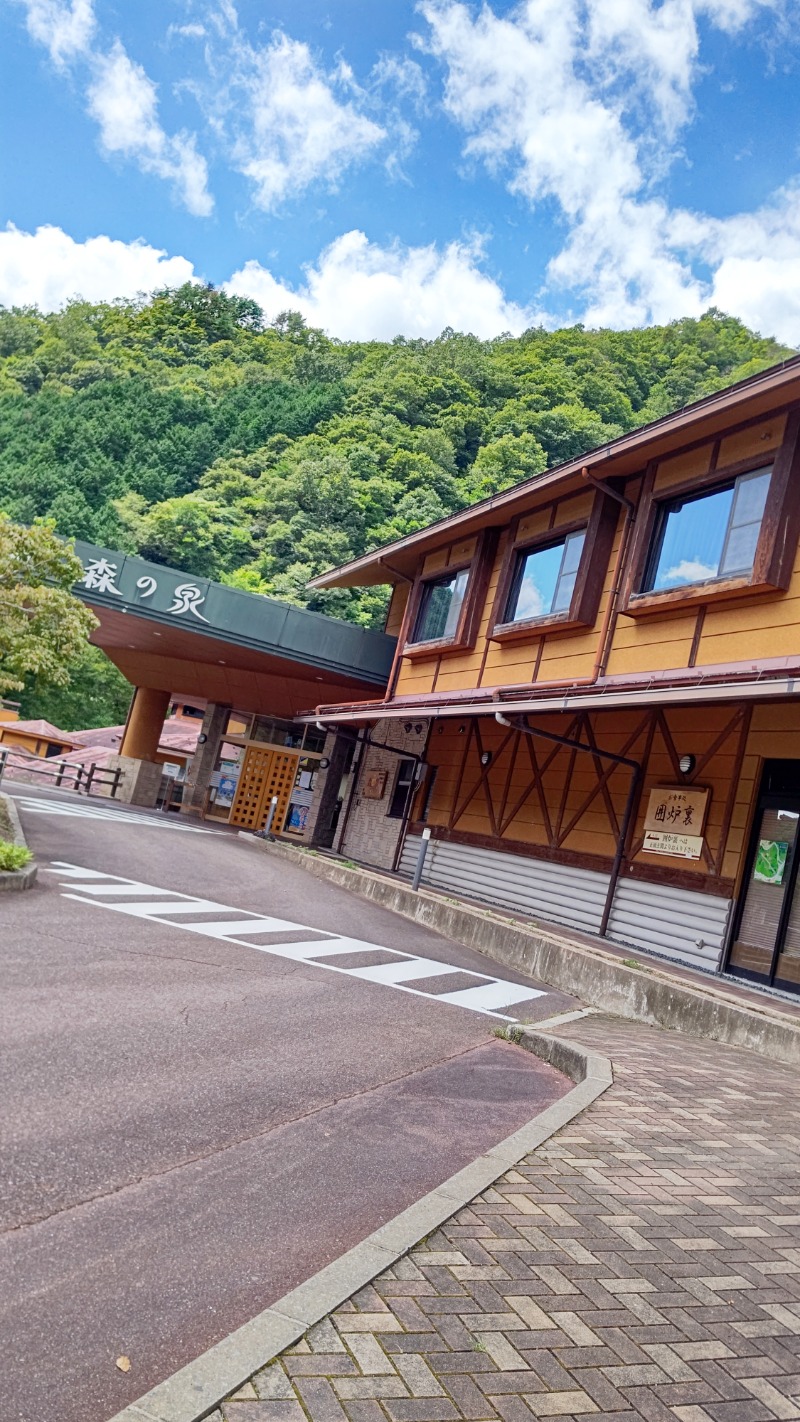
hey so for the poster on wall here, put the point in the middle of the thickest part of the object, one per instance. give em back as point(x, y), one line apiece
point(771, 857)
point(297, 818)
point(226, 790)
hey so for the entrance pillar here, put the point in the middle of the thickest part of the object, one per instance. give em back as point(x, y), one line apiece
point(215, 723)
point(321, 825)
point(140, 772)
point(145, 723)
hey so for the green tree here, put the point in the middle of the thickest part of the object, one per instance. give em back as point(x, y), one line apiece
point(185, 427)
point(97, 695)
point(43, 626)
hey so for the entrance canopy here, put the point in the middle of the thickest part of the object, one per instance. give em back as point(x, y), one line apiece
point(175, 633)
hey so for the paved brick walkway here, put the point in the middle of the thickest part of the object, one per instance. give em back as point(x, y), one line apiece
point(645, 1263)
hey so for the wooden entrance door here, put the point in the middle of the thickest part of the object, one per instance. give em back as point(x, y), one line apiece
point(265, 772)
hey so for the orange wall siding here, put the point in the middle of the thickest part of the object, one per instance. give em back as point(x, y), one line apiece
point(571, 811)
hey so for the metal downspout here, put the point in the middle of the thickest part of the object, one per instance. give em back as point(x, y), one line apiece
point(633, 765)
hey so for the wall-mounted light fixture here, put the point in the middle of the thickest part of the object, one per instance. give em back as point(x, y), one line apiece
point(323, 762)
point(486, 757)
point(686, 764)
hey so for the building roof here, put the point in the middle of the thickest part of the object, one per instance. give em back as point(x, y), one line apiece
point(195, 638)
point(176, 735)
point(45, 730)
point(758, 394)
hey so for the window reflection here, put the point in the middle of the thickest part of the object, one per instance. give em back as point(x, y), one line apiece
point(711, 535)
point(440, 607)
point(544, 580)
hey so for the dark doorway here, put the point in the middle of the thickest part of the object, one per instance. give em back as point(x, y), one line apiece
point(766, 937)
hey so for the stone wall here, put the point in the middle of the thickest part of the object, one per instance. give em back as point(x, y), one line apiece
point(370, 834)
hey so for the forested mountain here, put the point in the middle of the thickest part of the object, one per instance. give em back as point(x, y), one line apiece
point(184, 427)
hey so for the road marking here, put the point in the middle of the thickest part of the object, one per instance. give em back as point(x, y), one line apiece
point(173, 910)
point(34, 806)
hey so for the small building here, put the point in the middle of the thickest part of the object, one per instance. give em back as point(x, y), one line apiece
point(594, 703)
point(38, 738)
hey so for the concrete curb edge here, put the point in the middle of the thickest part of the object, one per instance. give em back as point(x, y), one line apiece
point(599, 979)
point(195, 1390)
point(19, 879)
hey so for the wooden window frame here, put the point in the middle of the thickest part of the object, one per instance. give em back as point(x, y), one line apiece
point(777, 539)
point(600, 527)
point(464, 637)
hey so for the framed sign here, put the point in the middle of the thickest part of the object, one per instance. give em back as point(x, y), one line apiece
point(374, 786)
point(681, 809)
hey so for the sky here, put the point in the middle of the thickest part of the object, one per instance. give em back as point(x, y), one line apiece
point(395, 168)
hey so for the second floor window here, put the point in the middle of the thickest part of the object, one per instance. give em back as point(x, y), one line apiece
point(440, 607)
point(544, 579)
point(711, 535)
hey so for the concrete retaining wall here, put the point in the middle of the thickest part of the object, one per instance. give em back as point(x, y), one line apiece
point(599, 979)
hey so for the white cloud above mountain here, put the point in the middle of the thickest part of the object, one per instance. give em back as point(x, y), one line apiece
point(360, 290)
point(124, 102)
point(292, 124)
point(580, 109)
point(47, 268)
point(579, 102)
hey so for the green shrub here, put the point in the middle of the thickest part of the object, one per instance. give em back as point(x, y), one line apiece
point(13, 856)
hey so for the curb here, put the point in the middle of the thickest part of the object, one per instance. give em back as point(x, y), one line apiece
point(16, 880)
point(194, 1391)
point(598, 979)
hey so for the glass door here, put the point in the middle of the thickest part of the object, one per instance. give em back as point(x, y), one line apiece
point(766, 944)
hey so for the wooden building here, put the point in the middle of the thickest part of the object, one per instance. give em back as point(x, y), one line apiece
point(594, 702)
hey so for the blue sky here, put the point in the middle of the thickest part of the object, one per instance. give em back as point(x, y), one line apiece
point(396, 167)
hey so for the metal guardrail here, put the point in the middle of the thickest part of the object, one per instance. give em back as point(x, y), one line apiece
point(85, 779)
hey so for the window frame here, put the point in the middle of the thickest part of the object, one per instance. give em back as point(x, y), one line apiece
point(776, 547)
point(409, 786)
point(600, 529)
point(673, 505)
point(463, 639)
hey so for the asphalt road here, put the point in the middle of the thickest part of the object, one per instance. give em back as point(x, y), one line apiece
point(193, 1125)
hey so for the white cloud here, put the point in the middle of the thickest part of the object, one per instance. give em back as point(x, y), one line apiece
point(123, 100)
point(358, 290)
point(64, 27)
point(580, 101)
point(47, 267)
point(689, 570)
point(288, 126)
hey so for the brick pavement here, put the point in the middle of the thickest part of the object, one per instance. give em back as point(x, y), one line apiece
point(645, 1263)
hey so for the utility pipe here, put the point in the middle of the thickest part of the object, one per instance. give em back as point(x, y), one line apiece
point(633, 765)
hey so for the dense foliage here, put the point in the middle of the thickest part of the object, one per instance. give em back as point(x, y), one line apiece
point(43, 627)
point(183, 427)
point(97, 695)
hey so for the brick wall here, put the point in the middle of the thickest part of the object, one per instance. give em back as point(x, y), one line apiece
point(371, 836)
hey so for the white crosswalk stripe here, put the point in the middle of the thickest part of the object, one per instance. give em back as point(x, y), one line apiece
point(241, 926)
point(32, 805)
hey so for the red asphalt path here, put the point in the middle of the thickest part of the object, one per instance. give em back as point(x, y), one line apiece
point(191, 1127)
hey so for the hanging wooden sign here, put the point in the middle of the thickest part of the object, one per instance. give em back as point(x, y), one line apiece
point(675, 820)
point(374, 785)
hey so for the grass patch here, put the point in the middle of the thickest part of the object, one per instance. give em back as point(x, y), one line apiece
point(6, 827)
point(13, 856)
point(634, 963)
